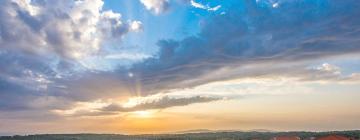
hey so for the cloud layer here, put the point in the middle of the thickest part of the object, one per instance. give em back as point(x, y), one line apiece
point(161, 103)
point(44, 42)
point(253, 38)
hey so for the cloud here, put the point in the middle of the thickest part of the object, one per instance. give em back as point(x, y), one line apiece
point(232, 46)
point(327, 73)
point(205, 7)
point(101, 108)
point(286, 80)
point(44, 41)
point(255, 40)
point(69, 30)
point(44, 44)
point(156, 6)
point(19, 98)
point(161, 103)
point(127, 56)
point(136, 26)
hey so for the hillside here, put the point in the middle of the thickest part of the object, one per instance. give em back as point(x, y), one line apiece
point(238, 135)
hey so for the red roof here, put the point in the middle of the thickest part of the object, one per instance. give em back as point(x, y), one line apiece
point(286, 138)
point(333, 137)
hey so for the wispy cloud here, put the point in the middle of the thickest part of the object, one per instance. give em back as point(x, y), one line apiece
point(161, 103)
point(103, 108)
point(205, 7)
point(128, 56)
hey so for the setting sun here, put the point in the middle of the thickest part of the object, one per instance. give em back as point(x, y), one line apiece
point(143, 114)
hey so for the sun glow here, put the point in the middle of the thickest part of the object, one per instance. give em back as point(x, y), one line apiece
point(143, 114)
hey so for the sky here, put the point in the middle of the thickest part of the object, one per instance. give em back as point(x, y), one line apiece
point(159, 66)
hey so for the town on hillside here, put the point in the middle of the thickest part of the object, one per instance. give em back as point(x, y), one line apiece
point(329, 137)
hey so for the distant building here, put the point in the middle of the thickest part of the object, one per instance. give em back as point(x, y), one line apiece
point(333, 137)
point(286, 138)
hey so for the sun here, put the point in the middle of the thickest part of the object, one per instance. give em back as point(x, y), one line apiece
point(143, 114)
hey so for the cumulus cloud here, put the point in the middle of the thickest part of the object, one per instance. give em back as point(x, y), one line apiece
point(66, 29)
point(136, 26)
point(156, 6)
point(45, 42)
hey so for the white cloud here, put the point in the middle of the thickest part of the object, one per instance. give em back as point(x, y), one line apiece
point(205, 7)
point(136, 26)
point(110, 107)
point(275, 5)
point(70, 30)
point(329, 68)
point(156, 6)
point(215, 8)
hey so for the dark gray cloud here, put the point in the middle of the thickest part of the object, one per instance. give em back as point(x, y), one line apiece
point(18, 96)
point(162, 103)
point(146, 103)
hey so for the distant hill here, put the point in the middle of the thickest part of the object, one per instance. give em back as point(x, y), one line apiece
point(194, 131)
point(261, 130)
point(213, 131)
point(235, 135)
point(204, 131)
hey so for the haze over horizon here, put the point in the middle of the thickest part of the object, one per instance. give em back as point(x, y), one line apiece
point(157, 66)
